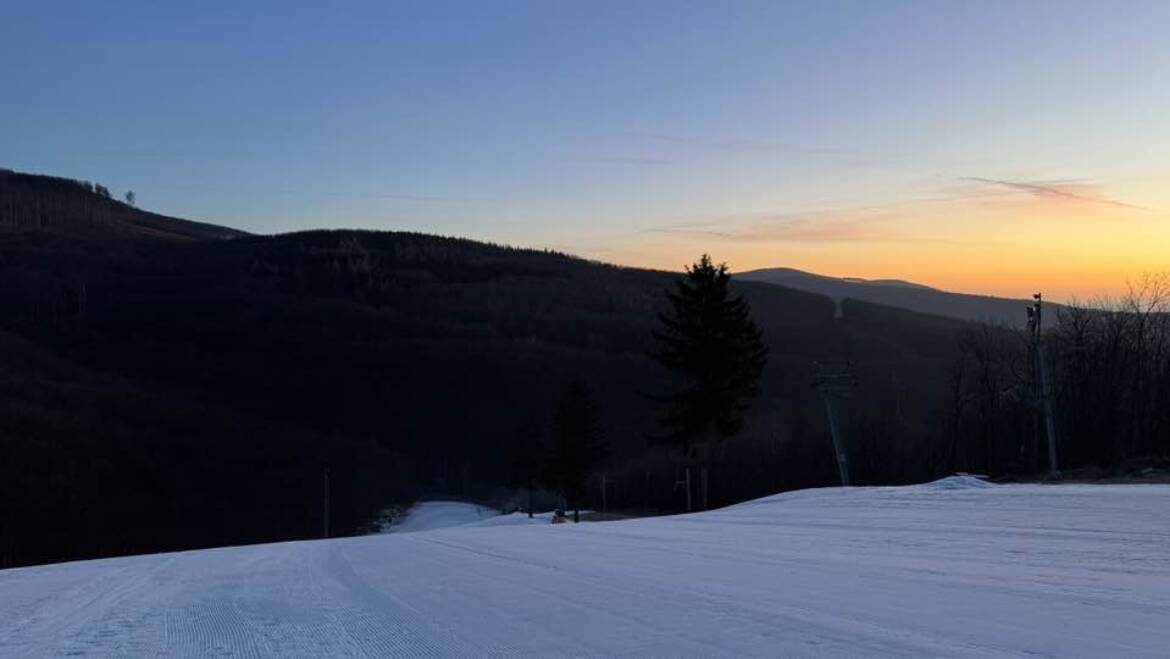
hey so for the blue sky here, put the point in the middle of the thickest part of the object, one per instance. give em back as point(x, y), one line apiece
point(853, 138)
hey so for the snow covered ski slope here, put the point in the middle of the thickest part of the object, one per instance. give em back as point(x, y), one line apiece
point(435, 515)
point(953, 568)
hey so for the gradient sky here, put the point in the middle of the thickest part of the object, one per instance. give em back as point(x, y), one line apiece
point(996, 147)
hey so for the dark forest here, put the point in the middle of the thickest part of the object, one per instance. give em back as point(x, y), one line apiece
point(167, 384)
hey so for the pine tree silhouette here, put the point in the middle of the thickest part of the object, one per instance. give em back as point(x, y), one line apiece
point(710, 342)
point(578, 444)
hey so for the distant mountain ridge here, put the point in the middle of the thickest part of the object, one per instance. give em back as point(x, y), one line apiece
point(877, 282)
point(901, 294)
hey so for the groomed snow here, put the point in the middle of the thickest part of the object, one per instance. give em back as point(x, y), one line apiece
point(433, 515)
point(954, 568)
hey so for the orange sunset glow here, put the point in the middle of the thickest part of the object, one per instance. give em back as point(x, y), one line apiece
point(1073, 240)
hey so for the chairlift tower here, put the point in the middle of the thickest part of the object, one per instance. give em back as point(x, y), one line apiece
point(836, 381)
point(1040, 368)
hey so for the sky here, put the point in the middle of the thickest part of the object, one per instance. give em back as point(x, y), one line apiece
point(990, 147)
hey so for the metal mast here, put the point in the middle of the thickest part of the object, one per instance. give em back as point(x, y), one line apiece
point(1035, 326)
point(835, 380)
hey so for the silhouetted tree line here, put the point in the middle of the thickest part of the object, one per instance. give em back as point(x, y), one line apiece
point(1110, 368)
point(80, 208)
point(709, 342)
point(403, 362)
point(349, 337)
point(1113, 376)
point(93, 465)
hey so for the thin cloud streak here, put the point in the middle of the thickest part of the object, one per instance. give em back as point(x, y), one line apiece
point(1065, 191)
point(829, 226)
point(689, 230)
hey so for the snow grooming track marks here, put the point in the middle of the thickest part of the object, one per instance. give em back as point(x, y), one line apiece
point(388, 625)
point(951, 569)
point(577, 598)
point(636, 600)
point(224, 625)
point(71, 619)
point(117, 627)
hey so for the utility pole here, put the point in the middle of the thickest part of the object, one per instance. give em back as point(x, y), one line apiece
point(325, 507)
point(835, 380)
point(1040, 365)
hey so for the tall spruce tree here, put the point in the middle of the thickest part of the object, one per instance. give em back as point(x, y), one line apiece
point(710, 342)
point(578, 444)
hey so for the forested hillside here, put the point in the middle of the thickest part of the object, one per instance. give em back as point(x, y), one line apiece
point(95, 465)
point(76, 208)
point(188, 385)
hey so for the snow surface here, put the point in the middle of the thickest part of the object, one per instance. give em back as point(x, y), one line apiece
point(954, 568)
point(432, 515)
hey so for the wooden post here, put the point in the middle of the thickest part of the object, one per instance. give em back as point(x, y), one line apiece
point(689, 507)
point(604, 498)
